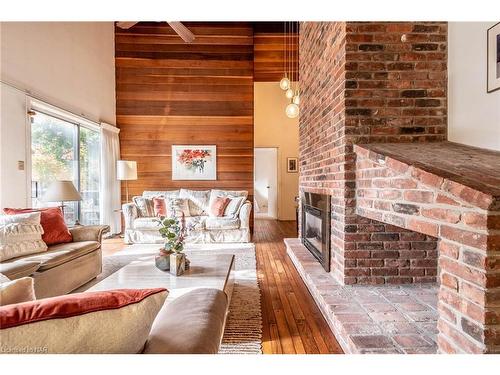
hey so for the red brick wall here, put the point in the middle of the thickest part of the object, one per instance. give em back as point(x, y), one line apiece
point(396, 79)
point(365, 83)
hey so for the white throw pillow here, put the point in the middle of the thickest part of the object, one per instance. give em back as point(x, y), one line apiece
point(197, 199)
point(234, 206)
point(17, 291)
point(20, 235)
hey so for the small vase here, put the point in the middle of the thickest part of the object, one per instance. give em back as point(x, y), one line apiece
point(177, 263)
point(162, 260)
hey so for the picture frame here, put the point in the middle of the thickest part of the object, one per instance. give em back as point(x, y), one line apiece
point(493, 58)
point(292, 165)
point(194, 162)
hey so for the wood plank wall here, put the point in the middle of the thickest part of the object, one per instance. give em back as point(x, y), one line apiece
point(270, 50)
point(172, 93)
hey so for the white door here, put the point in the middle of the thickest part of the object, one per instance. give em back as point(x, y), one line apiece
point(266, 182)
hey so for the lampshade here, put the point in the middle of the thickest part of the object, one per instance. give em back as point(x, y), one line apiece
point(62, 191)
point(126, 170)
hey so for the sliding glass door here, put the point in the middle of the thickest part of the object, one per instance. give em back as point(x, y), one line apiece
point(63, 150)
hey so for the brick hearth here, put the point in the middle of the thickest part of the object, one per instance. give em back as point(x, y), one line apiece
point(371, 319)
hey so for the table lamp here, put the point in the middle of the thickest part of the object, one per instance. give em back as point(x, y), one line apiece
point(62, 191)
point(126, 170)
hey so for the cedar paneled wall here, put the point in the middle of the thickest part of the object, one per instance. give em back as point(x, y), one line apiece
point(172, 93)
point(270, 50)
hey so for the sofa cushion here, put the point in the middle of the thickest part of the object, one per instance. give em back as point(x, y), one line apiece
point(160, 193)
point(62, 253)
point(146, 223)
point(20, 235)
point(197, 199)
point(217, 223)
point(18, 269)
point(191, 324)
point(17, 291)
point(116, 321)
point(149, 223)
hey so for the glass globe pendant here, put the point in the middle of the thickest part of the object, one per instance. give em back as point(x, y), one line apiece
point(296, 99)
point(289, 94)
point(292, 110)
point(285, 83)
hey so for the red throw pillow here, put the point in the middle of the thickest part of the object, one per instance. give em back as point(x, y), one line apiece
point(66, 306)
point(52, 221)
point(159, 206)
point(219, 206)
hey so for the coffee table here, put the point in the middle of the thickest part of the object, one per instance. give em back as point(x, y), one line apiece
point(206, 271)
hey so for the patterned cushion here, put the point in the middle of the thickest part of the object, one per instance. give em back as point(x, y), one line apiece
point(198, 201)
point(144, 206)
point(115, 321)
point(177, 206)
point(20, 235)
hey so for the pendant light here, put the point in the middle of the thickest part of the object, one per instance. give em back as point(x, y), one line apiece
point(285, 82)
point(292, 110)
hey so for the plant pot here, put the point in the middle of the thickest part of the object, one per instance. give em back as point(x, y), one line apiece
point(177, 263)
point(162, 260)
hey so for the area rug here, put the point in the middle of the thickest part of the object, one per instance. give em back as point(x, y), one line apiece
point(243, 332)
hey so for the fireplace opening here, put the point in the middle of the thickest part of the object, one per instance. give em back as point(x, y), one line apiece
point(315, 230)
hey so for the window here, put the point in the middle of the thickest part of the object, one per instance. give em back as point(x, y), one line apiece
point(64, 149)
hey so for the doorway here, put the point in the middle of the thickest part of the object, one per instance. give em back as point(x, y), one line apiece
point(266, 182)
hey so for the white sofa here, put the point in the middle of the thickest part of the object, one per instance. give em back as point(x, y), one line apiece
point(140, 226)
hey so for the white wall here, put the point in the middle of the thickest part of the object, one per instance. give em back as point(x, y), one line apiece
point(473, 114)
point(274, 129)
point(69, 65)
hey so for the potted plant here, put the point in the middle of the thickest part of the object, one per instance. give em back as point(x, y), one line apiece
point(173, 231)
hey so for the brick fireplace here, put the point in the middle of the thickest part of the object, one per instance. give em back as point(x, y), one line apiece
point(365, 84)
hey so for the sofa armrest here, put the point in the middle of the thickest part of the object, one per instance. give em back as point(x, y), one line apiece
point(245, 211)
point(130, 213)
point(88, 232)
point(190, 324)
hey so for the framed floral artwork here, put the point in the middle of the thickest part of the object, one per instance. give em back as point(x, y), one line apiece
point(494, 58)
point(194, 162)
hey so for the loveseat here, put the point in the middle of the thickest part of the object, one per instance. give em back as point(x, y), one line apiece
point(63, 267)
point(234, 226)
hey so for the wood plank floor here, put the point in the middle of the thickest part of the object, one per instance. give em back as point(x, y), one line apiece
point(292, 323)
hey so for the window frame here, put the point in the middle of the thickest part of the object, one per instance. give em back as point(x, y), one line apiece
point(36, 105)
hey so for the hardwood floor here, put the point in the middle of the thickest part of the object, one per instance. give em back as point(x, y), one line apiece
point(292, 323)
